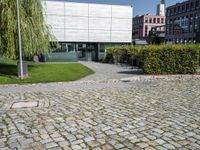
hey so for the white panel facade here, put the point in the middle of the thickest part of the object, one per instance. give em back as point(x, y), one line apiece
point(122, 12)
point(81, 22)
point(54, 8)
point(76, 22)
point(59, 34)
point(122, 24)
point(74, 35)
point(57, 22)
point(100, 23)
point(76, 9)
point(99, 35)
point(100, 10)
point(121, 36)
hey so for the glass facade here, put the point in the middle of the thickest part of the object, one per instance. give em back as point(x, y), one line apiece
point(83, 51)
point(183, 22)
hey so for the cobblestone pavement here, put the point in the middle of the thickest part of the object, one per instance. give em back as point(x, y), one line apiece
point(109, 71)
point(126, 116)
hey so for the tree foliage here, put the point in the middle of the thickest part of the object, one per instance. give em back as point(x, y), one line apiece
point(35, 33)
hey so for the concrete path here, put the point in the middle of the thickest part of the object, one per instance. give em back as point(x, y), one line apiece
point(109, 71)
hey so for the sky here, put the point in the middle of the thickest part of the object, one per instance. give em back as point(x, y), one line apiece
point(139, 6)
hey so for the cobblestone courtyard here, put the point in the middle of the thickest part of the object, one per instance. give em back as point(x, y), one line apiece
point(104, 116)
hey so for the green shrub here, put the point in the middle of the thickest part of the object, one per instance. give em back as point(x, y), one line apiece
point(162, 59)
point(170, 59)
point(108, 59)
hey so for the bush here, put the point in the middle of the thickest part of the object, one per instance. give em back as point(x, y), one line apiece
point(162, 59)
point(173, 59)
point(108, 59)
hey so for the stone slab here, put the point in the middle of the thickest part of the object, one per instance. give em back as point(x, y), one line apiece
point(24, 104)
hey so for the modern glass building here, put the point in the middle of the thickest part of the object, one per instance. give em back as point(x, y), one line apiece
point(85, 30)
point(183, 22)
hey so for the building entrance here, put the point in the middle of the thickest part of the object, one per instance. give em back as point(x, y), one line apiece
point(88, 51)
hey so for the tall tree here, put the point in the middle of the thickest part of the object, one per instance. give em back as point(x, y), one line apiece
point(35, 33)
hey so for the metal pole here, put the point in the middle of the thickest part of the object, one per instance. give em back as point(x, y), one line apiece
point(20, 42)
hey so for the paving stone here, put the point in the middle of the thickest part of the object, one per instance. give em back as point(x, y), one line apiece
point(158, 131)
point(93, 144)
point(51, 145)
point(88, 139)
point(151, 137)
point(118, 146)
point(150, 148)
point(76, 147)
point(160, 141)
point(184, 142)
point(110, 132)
point(46, 141)
point(45, 136)
point(107, 147)
point(142, 145)
point(124, 133)
point(156, 114)
point(58, 139)
point(15, 145)
point(135, 140)
point(55, 135)
point(128, 145)
point(168, 134)
point(197, 137)
point(63, 143)
point(169, 146)
point(118, 130)
point(191, 134)
point(66, 148)
point(161, 148)
point(83, 145)
point(77, 142)
point(152, 143)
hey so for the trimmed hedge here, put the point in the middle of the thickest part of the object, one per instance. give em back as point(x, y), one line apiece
point(162, 59)
point(175, 59)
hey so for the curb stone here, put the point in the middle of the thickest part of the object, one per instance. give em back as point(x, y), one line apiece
point(160, 77)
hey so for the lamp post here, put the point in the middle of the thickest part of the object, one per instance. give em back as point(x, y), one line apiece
point(20, 43)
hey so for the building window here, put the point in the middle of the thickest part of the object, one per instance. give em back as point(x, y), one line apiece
point(192, 6)
point(191, 20)
point(177, 26)
point(102, 48)
point(175, 10)
point(162, 20)
point(185, 24)
point(183, 8)
point(70, 47)
point(146, 30)
point(171, 11)
point(158, 20)
point(195, 22)
point(168, 12)
point(187, 7)
point(179, 9)
point(170, 26)
point(197, 4)
point(154, 20)
point(146, 20)
point(150, 20)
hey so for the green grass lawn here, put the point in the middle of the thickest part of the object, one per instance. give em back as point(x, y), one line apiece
point(42, 73)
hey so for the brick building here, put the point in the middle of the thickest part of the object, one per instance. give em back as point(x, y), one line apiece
point(142, 25)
